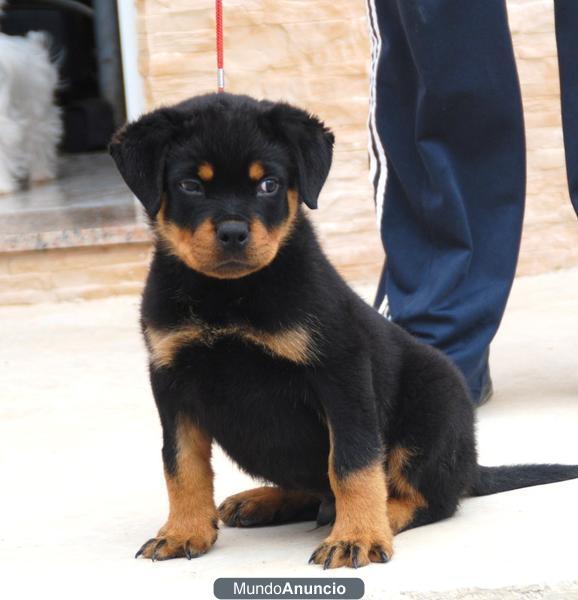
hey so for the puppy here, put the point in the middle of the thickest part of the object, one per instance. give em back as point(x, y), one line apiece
point(257, 343)
point(30, 124)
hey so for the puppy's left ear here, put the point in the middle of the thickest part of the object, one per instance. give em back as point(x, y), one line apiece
point(311, 146)
point(139, 150)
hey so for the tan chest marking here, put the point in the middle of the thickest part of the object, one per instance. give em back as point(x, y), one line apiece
point(293, 344)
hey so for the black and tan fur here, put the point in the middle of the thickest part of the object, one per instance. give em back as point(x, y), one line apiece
point(256, 343)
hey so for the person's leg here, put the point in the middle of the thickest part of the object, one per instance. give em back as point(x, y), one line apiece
point(448, 117)
point(567, 40)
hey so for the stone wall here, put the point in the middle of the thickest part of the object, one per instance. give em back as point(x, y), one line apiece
point(61, 274)
point(316, 54)
point(550, 236)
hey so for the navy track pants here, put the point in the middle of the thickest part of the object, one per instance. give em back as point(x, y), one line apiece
point(448, 161)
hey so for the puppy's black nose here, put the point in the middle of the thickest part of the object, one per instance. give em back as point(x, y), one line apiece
point(233, 235)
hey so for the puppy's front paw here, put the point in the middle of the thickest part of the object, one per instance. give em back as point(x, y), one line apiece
point(180, 542)
point(356, 552)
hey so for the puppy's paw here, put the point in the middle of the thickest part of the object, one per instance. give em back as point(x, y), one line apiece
point(179, 542)
point(355, 552)
point(267, 505)
point(250, 508)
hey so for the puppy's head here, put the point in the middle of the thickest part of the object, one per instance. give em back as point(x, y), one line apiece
point(222, 177)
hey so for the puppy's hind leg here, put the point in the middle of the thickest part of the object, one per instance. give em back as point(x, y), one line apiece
point(268, 506)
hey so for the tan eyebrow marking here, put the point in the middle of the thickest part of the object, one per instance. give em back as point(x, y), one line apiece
point(206, 171)
point(256, 170)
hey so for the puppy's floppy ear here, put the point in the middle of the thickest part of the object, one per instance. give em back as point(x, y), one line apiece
point(311, 146)
point(139, 150)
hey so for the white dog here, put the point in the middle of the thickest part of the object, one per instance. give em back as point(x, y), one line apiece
point(30, 124)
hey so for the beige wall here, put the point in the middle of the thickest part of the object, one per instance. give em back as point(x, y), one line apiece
point(316, 54)
point(550, 237)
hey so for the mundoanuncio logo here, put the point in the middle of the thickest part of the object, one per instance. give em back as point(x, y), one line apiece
point(280, 588)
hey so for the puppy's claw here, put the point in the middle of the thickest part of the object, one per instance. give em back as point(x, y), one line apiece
point(143, 547)
point(355, 557)
point(158, 546)
point(329, 559)
point(316, 552)
point(188, 552)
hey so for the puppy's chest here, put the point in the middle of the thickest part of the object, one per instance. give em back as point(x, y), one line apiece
point(254, 395)
point(295, 344)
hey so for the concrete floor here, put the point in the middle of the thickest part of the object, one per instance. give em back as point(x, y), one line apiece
point(82, 483)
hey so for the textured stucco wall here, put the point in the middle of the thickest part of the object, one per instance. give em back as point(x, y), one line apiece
point(316, 54)
point(550, 237)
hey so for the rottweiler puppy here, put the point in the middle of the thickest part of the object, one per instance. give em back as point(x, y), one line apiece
point(256, 343)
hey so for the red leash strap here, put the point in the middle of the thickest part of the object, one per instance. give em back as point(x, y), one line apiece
point(220, 67)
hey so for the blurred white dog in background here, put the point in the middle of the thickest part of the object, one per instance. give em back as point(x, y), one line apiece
point(30, 124)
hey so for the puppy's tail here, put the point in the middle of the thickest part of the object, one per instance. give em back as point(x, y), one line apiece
point(493, 480)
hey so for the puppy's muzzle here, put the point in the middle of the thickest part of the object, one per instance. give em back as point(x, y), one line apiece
point(233, 235)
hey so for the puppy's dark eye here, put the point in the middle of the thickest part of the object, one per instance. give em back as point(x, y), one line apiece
point(191, 186)
point(268, 186)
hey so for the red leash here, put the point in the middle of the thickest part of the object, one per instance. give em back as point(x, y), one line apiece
point(220, 67)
